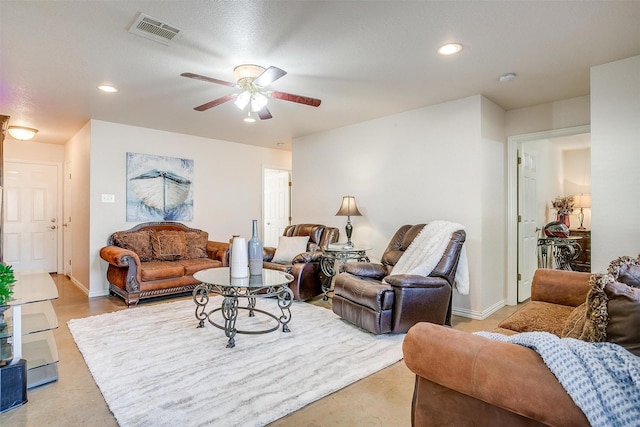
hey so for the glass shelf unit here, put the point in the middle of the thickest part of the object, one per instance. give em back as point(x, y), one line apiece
point(31, 321)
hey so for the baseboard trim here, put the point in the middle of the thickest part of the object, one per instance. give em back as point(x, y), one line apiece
point(478, 315)
point(78, 285)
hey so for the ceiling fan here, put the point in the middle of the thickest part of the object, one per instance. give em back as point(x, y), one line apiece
point(253, 81)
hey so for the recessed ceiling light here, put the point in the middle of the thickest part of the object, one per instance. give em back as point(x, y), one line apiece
point(450, 49)
point(107, 88)
point(507, 77)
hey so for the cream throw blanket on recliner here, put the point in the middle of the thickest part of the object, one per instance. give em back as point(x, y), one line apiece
point(426, 250)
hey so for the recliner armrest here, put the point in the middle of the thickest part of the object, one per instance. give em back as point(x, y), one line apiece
point(117, 256)
point(415, 281)
point(365, 269)
point(307, 257)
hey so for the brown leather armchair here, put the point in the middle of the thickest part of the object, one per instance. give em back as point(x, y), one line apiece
point(305, 267)
point(402, 300)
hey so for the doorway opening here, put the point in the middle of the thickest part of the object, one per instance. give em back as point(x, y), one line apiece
point(276, 204)
point(532, 184)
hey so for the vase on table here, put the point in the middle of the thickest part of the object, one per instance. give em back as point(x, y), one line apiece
point(563, 218)
point(239, 264)
point(255, 251)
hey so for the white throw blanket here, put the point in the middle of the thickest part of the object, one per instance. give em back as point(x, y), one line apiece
point(603, 379)
point(426, 250)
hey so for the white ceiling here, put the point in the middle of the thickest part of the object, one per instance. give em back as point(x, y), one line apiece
point(364, 59)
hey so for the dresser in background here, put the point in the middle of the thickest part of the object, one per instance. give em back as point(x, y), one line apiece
point(583, 262)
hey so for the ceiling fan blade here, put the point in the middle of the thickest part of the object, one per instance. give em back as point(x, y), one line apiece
point(264, 114)
point(269, 76)
point(215, 102)
point(207, 79)
point(314, 102)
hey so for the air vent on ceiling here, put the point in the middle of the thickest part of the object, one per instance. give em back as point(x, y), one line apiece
point(152, 29)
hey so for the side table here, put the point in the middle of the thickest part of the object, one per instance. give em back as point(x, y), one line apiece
point(338, 253)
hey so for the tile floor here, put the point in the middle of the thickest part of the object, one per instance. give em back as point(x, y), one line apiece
point(382, 399)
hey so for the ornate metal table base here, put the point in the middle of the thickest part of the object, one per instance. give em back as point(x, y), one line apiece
point(328, 260)
point(230, 307)
point(558, 252)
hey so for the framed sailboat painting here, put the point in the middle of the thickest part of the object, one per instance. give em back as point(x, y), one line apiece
point(159, 188)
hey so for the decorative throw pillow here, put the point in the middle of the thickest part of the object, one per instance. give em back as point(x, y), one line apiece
point(574, 324)
point(595, 327)
point(626, 270)
point(624, 316)
point(196, 244)
point(289, 247)
point(136, 241)
point(168, 245)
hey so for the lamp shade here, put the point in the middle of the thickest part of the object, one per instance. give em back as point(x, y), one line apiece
point(582, 200)
point(348, 207)
point(22, 133)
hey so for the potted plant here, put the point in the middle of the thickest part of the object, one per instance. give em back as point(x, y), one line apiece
point(7, 279)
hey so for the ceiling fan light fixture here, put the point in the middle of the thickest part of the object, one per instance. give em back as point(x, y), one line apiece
point(258, 102)
point(22, 133)
point(243, 100)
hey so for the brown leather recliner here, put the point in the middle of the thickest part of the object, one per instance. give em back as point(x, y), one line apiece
point(362, 298)
point(305, 267)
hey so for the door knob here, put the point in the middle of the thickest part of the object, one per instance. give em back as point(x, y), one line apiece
point(53, 227)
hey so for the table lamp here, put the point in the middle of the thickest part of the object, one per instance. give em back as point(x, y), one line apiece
point(348, 209)
point(582, 201)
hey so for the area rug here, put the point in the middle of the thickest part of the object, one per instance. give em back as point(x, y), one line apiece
point(154, 367)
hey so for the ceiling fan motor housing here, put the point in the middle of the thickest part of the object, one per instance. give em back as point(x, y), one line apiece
point(245, 74)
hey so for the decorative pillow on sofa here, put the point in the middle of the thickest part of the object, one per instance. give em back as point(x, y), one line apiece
point(623, 309)
point(136, 241)
point(196, 244)
point(168, 245)
point(289, 247)
point(574, 325)
point(626, 270)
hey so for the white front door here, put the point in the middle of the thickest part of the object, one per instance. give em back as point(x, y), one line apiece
point(276, 205)
point(527, 227)
point(31, 216)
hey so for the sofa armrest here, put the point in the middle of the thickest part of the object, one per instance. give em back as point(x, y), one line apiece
point(560, 287)
point(365, 269)
point(509, 376)
point(218, 251)
point(119, 257)
point(415, 281)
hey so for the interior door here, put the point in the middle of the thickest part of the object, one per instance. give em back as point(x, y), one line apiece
point(31, 216)
point(276, 205)
point(527, 224)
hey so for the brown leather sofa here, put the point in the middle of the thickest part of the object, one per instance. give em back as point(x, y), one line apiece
point(159, 258)
point(304, 267)
point(464, 379)
point(361, 297)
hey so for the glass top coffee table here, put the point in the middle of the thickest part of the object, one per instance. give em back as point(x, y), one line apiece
point(271, 283)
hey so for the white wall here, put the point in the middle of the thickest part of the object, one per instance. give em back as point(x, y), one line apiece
point(615, 155)
point(576, 173)
point(227, 183)
point(32, 151)
point(78, 154)
point(439, 162)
